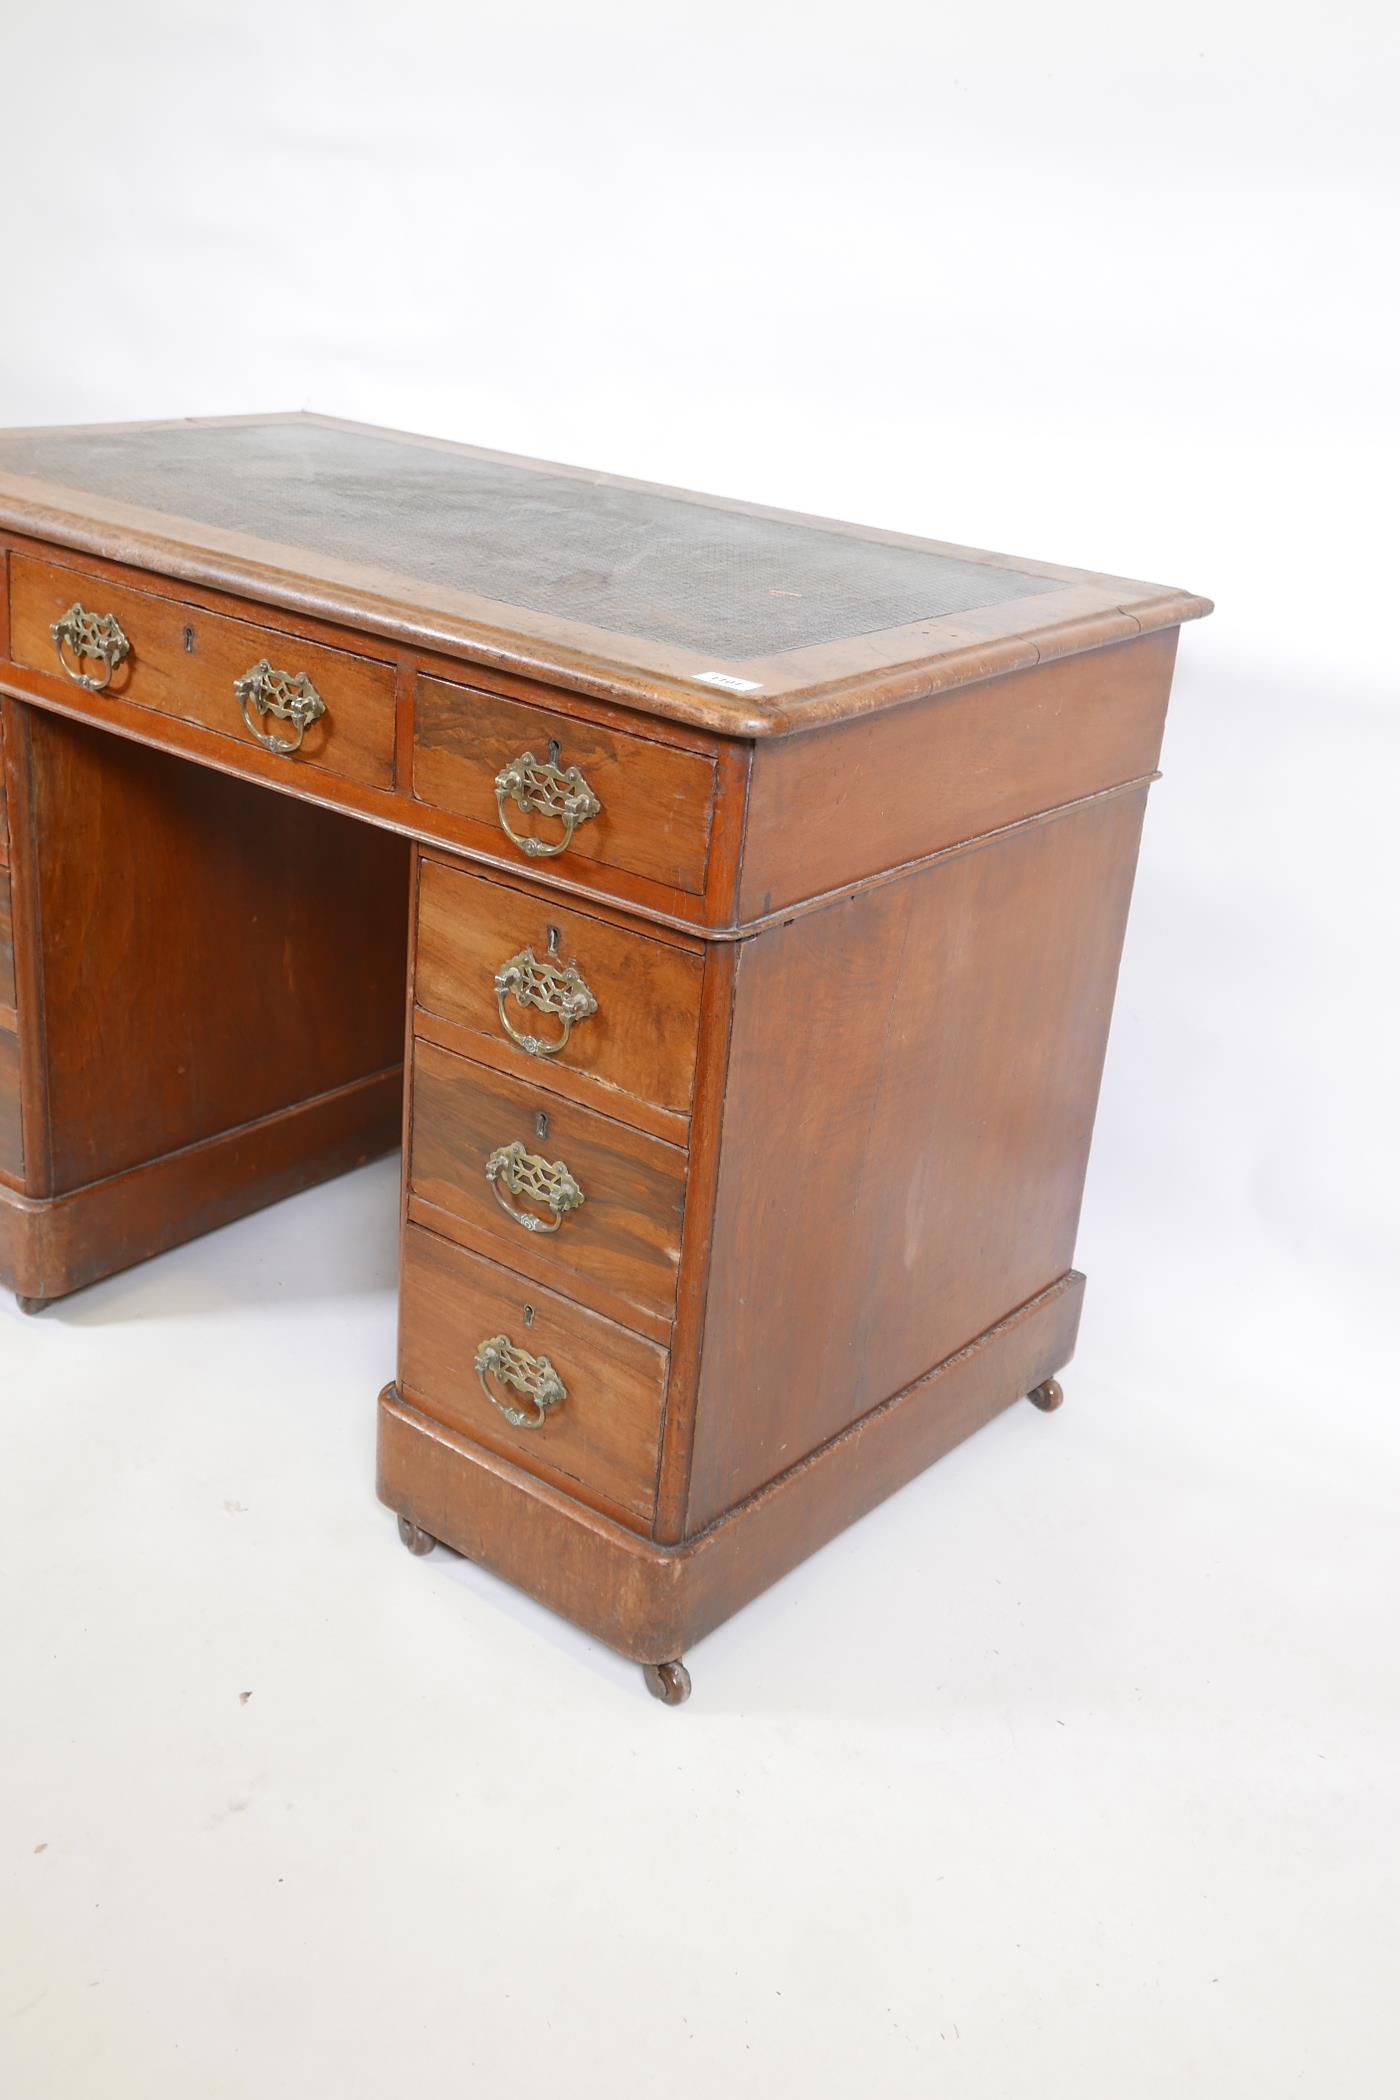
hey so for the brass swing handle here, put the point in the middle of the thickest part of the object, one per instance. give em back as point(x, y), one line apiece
point(514, 1172)
point(288, 696)
point(545, 791)
point(550, 989)
point(91, 638)
point(533, 1377)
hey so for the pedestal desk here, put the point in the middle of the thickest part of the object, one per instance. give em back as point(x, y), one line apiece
point(757, 884)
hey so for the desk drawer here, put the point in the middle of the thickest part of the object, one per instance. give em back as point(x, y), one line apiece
point(7, 944)
point(11, 1149)
point(589, 794)
point(612, 1014)
point(471, 1340)
point(185, 662)
point(584, 1202)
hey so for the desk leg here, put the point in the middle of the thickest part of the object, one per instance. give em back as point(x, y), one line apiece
point(208, 994)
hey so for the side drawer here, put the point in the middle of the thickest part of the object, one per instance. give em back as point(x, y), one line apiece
point(588, 793)
point(598, 1002)
point(585, 1202)
point(7, 945)
point(185, 662)
point(11, 1146)
point(603, 1437)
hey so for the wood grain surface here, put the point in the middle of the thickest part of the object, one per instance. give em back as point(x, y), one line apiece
point(618, 1252)
point(11, 1137)
point(829, 809)
point(656, 801)
point(185, 661)
point(208, 954)
point(7, 945)
point(640, 1042)
point(603, 1441)
point(913, 1079)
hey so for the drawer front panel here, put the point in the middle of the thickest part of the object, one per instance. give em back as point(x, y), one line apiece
point(654, 803)
point(641, 1037)
point(185, 662)
point(615, 1224)
point(7, 944)
point(11, 1147)
point(603, 1437)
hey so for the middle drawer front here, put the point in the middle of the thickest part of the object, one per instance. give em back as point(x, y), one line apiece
point(584, 1202)
point(475, 1340)
point(188, 663)
point(7, 945)
point(572, 1003)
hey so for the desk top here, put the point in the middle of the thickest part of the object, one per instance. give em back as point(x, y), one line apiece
point(717, 614)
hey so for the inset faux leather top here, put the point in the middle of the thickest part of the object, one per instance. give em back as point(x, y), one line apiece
point(715, 613)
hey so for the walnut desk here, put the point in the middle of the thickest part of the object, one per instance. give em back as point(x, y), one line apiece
point(753, 888)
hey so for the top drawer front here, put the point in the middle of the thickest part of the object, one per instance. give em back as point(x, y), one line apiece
point(653, 802)
point(185, 662)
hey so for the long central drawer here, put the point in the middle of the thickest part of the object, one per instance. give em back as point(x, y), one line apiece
point(221, 674)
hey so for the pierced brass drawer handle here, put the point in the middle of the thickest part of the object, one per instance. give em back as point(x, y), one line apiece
point(288, 696)
point(91, 637)
point(512, 1171)
point(550, 989)
point(533, 1377)
point(549, 791)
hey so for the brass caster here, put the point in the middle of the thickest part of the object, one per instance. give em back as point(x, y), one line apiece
point(669, 1682)
point(31, 1305)
point(418, 1542)
point(1047, 1397)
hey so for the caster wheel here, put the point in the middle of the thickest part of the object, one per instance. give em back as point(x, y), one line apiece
point(1047, 1397)
point(418, 1542)
point(31, 1305)
point(669, 1682)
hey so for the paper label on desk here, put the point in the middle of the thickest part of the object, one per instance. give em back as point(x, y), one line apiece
point(727, 684)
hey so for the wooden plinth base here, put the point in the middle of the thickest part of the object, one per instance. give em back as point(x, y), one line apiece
point(49, 1248)
point(652, 1602)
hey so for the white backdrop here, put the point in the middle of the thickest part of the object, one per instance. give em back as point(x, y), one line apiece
point(1103, 285)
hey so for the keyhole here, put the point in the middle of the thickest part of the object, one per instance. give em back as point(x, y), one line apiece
point(529, 1315)
point(189, 641)
point(554, 751)
point(552, 938)
point(541, 1126)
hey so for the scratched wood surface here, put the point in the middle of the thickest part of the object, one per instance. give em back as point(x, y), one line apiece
point(617, 1252)
point(656, 802)
point(603, 1441)
point(641, 1040)
point(185, 661)
point(913, 1079)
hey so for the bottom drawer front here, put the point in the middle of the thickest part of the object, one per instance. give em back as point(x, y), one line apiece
point(11, 1149)
point(603, 1435)
point(622, 1241)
